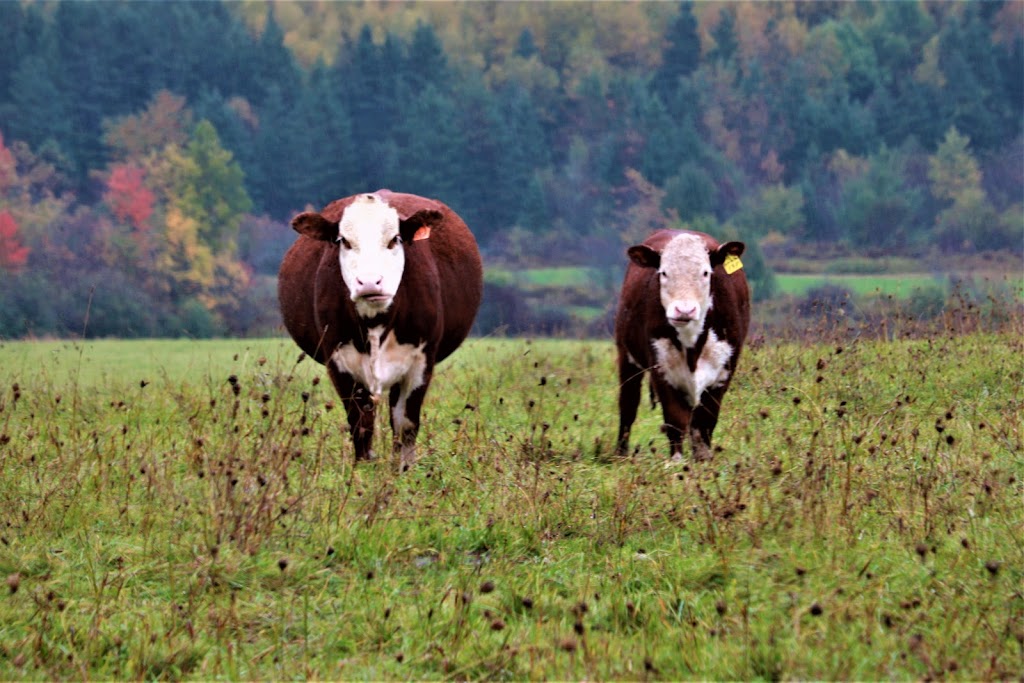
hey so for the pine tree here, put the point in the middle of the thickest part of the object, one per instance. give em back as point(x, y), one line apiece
point(724, 35)
point(89, 87)
point(429, 142)
point(284, 138)
point(526, 46)
point(11, 27)
point(275, 66)
point(34, 91)
point(371, 79)
point(526, 151)
point(682, 53)
point(972, 84)
point(330, 163)
point(427, 62)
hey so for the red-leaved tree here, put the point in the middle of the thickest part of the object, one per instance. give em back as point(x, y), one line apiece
point(129, 199)
point(13, 254)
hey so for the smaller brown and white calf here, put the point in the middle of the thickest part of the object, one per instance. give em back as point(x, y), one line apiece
point(683, 317)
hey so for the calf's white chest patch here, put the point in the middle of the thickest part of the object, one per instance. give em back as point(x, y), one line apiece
point(711, 368)
point(388, 363)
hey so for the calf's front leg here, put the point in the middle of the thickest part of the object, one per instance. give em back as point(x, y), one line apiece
point(677, 415)
point(702, 425)
point(631, 380)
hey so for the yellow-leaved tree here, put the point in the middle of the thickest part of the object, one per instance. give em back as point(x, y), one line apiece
point(184, 261)
point(955, 179)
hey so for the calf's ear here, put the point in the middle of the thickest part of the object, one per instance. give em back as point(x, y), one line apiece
point(315, 226)
point(417, 226)
point(728, 249)
point(644, 256)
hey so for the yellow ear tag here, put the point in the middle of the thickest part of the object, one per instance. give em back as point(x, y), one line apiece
point(422, 234)
point(732, 263)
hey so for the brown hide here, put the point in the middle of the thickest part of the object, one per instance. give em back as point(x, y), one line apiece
point(640, 320)
point(435, 305)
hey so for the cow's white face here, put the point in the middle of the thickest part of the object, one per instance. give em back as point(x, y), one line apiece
point(370, 253)
point(685, 278)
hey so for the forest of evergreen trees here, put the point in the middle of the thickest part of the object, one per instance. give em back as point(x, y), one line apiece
point(151, 154)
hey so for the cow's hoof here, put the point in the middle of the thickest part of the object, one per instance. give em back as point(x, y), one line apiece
point(369, 456)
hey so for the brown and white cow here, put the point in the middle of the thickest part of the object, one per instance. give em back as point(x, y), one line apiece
point(379, 287)
point(683, 315)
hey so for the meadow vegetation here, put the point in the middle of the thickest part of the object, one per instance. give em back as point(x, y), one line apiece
point(191, 510)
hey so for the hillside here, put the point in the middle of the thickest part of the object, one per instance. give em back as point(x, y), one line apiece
point(168, 161)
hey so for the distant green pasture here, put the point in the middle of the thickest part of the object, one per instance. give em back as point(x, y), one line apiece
point(562, 276)
point(900, 286)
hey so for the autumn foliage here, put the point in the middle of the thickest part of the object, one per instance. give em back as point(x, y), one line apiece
point(128, 197)
point(13, 255)
point(560, 131)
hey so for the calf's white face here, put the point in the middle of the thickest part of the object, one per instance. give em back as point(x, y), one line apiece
point(370, 254)
point(684, 275)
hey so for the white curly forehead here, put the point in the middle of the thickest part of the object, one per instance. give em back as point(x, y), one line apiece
point(685, 252)
point(369, 215)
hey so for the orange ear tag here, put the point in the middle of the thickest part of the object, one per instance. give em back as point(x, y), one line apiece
point(421, 234)
point(732, 263)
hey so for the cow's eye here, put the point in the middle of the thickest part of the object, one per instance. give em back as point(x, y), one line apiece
point(706, 273)
point(395, 241)
point(662, 274)
point(344, 243)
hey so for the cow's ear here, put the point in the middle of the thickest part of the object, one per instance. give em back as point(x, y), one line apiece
point(315, 226)
point(418, 225)
point(728, 249)
point(644, 256)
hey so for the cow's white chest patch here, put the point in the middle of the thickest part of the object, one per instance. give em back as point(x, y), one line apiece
point(388, 363)
point(711, 366)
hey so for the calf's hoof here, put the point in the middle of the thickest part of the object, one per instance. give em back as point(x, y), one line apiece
point(701, 452)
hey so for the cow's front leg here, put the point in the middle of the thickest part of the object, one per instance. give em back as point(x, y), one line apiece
point(405, 420)
point(360, 410)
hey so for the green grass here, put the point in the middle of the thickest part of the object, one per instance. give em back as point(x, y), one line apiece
point(567, 276)
point(900, 286)
point(860, 520)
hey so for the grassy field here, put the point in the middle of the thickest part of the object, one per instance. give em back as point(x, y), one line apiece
point(563, 276)
point(190, 510)
point(901, 286)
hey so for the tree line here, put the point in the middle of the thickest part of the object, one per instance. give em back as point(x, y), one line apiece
point(152, 153)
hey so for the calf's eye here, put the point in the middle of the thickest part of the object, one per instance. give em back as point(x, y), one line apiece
point(344, 243)
point(395, 241)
